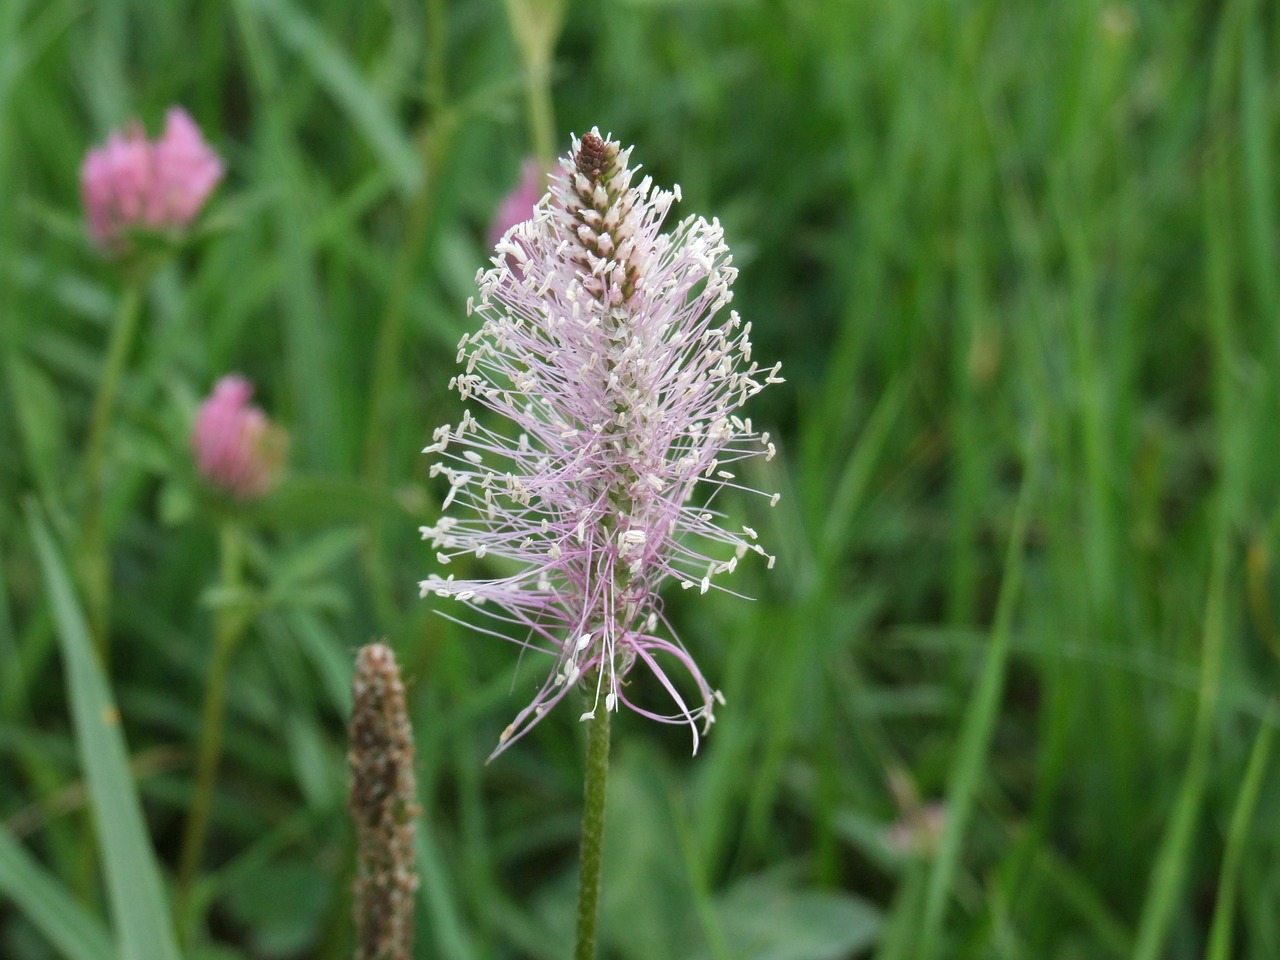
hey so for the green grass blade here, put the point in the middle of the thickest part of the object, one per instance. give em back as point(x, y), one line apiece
point(979, 723)
point(142, 918)
point(437, 896)
point(1168, 875)
point(69, 928)
point(1257, 134)
point(855, 476)
point(1241, 818)
point(1074, 892)
point(339, 76)
point(898, 935)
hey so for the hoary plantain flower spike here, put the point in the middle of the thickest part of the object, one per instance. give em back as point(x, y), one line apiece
point(383, 805)
point(608, 348)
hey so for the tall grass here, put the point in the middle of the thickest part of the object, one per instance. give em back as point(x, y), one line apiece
point(995, 246)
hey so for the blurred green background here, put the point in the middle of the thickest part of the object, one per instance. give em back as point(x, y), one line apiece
point(1019, 261)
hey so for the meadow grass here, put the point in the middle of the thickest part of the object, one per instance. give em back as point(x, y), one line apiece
point(1019, 262)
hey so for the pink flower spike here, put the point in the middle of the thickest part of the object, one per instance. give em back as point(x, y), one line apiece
point(517, 206)
point(237, 449)
point(606, 346)
point(131, 183)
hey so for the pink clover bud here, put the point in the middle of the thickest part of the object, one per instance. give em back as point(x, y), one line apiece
point(237, 449)
point(132, 183)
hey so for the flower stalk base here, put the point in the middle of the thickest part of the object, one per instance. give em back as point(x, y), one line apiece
point(229, 627)
point(95, 563)
point(597, 776)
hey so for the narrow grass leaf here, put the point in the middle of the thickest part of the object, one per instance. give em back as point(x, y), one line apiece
point(38, 415)
point(1257, 136)
point(1073, 891)
point(979, 723)
point(308, 502)
point(307, 337)
point(1168, 875)
point(696, 871)
point(143, 927)
point(855, 477)
point(340, 77)
point(70, 929)
point(1241, 819)
point(436, 893)
point(898, 933)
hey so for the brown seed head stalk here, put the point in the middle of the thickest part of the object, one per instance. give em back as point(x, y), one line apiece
point(383, 805)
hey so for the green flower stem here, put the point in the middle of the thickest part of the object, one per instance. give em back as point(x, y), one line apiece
point(541, 111)
point(95, 567)
point(592, 833)
point(536, 26)
point(229, 624)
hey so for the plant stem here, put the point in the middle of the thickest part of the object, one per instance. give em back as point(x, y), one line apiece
point(535, 24)
point(592, 833)
point(541, 112)
point(229, 623)
point(95, 566)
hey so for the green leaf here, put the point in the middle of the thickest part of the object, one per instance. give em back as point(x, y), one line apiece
point(38, 413)
point(317, 769)
point(75, 933)
point(765, 919)
point(142, 917)
point(323, 502)
point(281, 904)
point(331, 661)
point(646, 899)
point(314, 559)
point(438, 895)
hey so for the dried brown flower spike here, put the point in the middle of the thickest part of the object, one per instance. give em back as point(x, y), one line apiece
point(383, 804)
